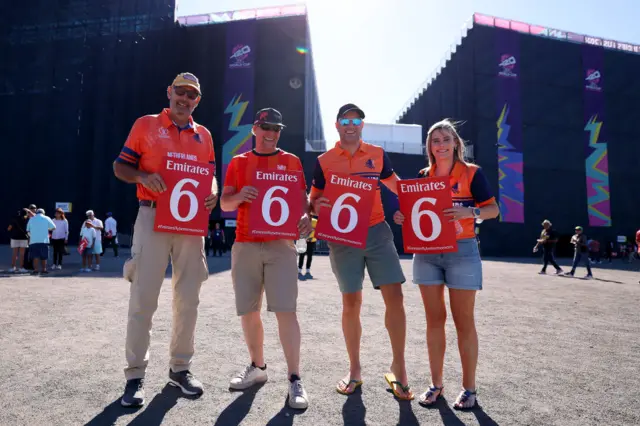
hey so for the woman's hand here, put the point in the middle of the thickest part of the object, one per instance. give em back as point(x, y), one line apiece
point(398, 218)
point(457, 213)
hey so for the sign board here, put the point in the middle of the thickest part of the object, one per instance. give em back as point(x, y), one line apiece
point(66, 207)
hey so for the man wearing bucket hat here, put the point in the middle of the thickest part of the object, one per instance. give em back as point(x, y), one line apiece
point(580, 253)
point(153, 137)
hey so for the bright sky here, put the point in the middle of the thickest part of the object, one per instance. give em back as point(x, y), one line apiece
point(377, 53)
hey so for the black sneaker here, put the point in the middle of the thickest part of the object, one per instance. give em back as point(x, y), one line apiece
point(133, 393)
point(186, 382)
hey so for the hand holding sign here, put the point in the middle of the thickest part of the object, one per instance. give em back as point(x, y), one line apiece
point(277, 205)
point(181, 208)
point(423, 202)
point(347, 220)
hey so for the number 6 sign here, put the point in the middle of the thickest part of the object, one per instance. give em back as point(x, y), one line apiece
point(180, 208)
point(278, 208)
point(425, 229)
point(347, 222)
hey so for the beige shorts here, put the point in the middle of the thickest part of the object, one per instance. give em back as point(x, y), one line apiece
point(271, 266)
point(19, 243)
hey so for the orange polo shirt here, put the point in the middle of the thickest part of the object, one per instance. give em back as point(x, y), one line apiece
point(153, 137)
point(241, 172)
point(369, 161)
point(469, 188)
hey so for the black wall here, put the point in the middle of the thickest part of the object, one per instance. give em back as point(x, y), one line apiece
point(552, 85)
point(71, 102)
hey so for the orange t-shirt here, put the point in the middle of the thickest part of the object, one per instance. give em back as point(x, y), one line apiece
point(369, 161)
point(153, 137)
point(469, 188)
point(240, 173)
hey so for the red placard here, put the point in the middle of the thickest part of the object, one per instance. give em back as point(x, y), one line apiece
point(351, 199)
point(180, 209)
point(425, 228)
point(278, 208)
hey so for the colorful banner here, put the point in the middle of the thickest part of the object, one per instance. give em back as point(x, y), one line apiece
point(509, 111)
point(238, 93)
point(597, 161)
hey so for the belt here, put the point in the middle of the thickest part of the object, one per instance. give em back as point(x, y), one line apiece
point(147, 203)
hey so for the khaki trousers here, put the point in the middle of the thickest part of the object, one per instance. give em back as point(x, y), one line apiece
point(145, 270)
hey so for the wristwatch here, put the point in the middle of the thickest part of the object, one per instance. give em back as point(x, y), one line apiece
point(476, 212)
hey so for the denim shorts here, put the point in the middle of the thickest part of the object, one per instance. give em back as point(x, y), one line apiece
point(39, 251)
point(460, 270)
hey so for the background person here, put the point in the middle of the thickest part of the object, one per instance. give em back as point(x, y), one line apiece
point(97, 246)
point(111, 234)
point(59, 238)
point(87, 233)
point(548, 239)
point(218, 240)
point(38, 228)
point(311, 247)
point(19, 240)
point(460, 271)
point(580, 252)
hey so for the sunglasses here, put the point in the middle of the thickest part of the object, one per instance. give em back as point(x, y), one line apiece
point(347, 121)
point(181, 91)
point(270, 128)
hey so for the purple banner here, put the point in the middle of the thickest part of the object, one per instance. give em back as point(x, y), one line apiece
point(238, 93)
point(509, 124)
point(596, 154)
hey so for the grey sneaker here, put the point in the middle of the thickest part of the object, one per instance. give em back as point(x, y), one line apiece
point(248, 377)
point(133, 393)
point(186, 382)
point(298, 398)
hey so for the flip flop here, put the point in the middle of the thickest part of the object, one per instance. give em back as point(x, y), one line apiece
point(391, 380)
point(357, 383)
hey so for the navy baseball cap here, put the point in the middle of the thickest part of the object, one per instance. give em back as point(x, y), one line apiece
point(349, 107)
point(269, 116)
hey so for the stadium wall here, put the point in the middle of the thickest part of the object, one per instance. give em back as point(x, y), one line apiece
point(549, 127)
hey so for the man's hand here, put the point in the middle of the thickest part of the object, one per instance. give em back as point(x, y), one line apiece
point(398, 218)
point(305, 226)
point(320, 202)
point(153, 182)
point(247, 194)
point(210, 202)
point(457, 213)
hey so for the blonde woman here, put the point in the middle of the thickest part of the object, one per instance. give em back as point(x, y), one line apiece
point(460, 272)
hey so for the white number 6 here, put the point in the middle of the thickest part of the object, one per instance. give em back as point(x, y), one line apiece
point(435, 220)
point(353, 214)
point(266, 206)
point(177, 193)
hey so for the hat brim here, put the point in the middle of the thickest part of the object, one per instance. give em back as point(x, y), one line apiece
point(358, 110)
point(268, 122)
point(194, 87)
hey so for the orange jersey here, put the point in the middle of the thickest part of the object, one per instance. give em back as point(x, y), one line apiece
point(469, 188)
point(369, 161)
point(240, 173)
point(153, 137)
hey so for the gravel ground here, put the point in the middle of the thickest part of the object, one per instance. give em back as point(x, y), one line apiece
point(553, 351)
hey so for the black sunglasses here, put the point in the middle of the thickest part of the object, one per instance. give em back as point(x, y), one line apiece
point(181, 91)
point(270, 128)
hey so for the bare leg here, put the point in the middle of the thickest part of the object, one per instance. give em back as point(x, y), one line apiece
point(352, 330)
point(254, 337)
point(462, 307)
point(289, 331)
point(396, 323)
point(436, 313)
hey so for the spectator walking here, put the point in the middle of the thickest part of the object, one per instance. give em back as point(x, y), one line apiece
point(111, 234)
point(38, 228)
point(59, 238)
point(548, 239)
point(311, 247)
point(19, 240)
point(594, 250)
point(89, 234)
point(218, 239)
point(579, 242)
point(97, 247)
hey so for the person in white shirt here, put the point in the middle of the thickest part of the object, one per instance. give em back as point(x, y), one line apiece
point(89, 233)
point(98, 226)
point(111, 233)
point(59, 238)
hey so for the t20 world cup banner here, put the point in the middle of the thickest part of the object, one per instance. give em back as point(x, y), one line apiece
point(238, 93)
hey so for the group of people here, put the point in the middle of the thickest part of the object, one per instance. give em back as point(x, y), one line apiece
point(32, 232)
point(268, 264)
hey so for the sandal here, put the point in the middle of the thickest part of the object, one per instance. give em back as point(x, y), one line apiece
point(430, 397)
point(391, 380)
point(466, 400)
point(343, 384)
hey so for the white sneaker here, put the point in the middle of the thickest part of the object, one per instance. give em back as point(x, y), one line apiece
point(13, 269)
point(249, 377)
point(22, 270)
point(59, 267)
point(298, 396)
point(96, 268)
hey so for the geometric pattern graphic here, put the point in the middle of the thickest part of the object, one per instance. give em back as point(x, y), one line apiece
point(510, 173)
point(597, 168)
